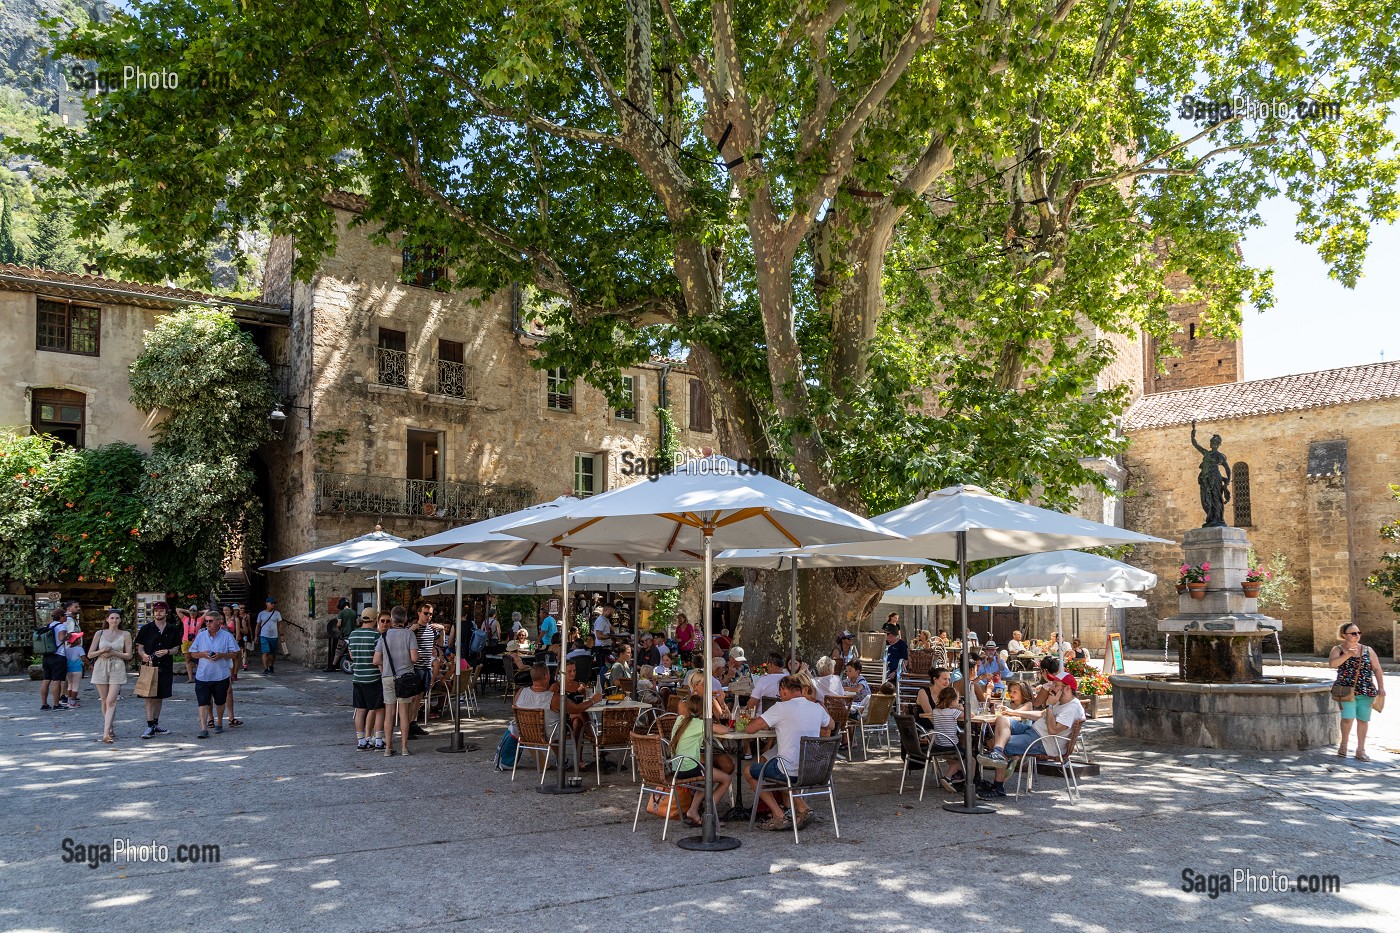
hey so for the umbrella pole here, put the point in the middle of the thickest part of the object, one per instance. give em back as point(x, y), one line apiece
point(455, 679)
point(969, 804)
point(636, 621)
point(709, 839)
point(378, 599)
point(560, 786)
point(1059, 621)
point(792, 614)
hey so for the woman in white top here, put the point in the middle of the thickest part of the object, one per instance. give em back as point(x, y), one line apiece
point(827, 682)
point(111, 649)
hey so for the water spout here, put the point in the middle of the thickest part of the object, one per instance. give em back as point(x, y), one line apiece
point(1279, 646)
point(1166, 650)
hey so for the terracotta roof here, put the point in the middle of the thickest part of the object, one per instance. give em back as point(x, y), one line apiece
point(15, 278)
point(347, 201)
point(1266, 396)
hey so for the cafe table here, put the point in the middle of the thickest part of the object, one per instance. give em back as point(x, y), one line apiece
point(739, 812)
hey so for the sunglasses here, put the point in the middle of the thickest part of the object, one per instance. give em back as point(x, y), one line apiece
point(1351, 633)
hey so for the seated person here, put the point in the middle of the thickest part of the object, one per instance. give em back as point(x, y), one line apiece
point(687, 739)
point(540, 693)
point(792, 719)
point(991, 665)
point(646, 686)
point(844, 651)
point(580, 649)
point(827, 681)
point(622, 667)
point(1019, 696)
point(922, 640)
point(518, 650)
point(738, 664)
point(649, 653)
point(579, 702)
point(766, 685)
point(926, 700)
point(1049, 675)
point(809, 686)
point(723, 640)
point(695, 681)
point(664, 668)
point(853, 682)
point(1016, 645)
point(1017, 729)
point(947, 714)
point(1077, 652)
point(941, 639)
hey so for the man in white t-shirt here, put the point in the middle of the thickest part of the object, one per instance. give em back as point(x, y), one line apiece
point(602, 627)
point(794, 718)
point(766, 685)
point(1016, 730)
point(267, 634)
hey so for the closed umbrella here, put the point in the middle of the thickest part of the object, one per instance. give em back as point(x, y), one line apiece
point(968, 523)
point(678, 518)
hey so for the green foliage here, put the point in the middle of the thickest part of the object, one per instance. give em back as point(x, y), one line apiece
point(1276, 590)
point(52, 245)
point(1386, 578)
point(665, 603)
point(527, 606)
point(9, 247)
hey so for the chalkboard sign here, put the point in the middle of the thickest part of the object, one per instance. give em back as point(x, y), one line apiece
point(1113, 659)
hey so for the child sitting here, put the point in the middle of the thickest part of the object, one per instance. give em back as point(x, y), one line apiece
point(947, 713)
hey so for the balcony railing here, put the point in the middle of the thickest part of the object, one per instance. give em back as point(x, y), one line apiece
point(392, 367)
point(451, 378)
point(389, 495)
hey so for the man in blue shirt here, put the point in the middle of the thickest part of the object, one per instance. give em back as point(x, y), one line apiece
point(549, 628)
point(991, 665)
point(215, 650)
point(896, 648)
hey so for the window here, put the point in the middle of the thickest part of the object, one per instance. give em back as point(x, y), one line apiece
point(559, 390)
point(61, 413)
point(68, 328)
point(1239, 495)
point(1192, 332)
point(587, 481)
point(700, 417)
point(425, 267)
point(628, 411)
point(392, 358)
point(451, 370)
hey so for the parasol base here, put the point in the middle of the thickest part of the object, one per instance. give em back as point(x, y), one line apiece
point(458, 746)
point(717, 844)
point(556, 789)
point(964, 808)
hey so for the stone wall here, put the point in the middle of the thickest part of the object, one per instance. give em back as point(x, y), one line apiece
point(1323, 518)
point(1203, 360)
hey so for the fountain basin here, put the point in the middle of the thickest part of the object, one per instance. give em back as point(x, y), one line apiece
point(1270, 714)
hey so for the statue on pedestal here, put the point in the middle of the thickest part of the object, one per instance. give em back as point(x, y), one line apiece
point(1214, 480)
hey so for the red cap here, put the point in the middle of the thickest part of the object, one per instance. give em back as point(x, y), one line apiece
point(1066, 678)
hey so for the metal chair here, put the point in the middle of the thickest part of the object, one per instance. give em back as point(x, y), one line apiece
point(659, 776)
point(471, 703)
point(877, 720)
point(614, 735)
point(533, 737)
point(813, 779)
point(1025, 762)
point(911, 744)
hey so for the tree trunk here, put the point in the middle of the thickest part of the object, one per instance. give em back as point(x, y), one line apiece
point(828, 601)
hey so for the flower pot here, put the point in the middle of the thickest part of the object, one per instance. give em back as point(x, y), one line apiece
point(1251, 590)
point(1198, 590)
point(1098, 707)
point(1180, 588)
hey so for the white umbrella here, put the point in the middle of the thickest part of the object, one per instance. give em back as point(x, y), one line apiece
point(678, 517)
point(735, 595)
point(612, 576)
point(968, 523)
point(327, 559)
point(916, 592)
point(488, 587)
point(1064, 572)
point(1077, 600)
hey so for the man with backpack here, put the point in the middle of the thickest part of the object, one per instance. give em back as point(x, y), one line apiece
point(47, 642)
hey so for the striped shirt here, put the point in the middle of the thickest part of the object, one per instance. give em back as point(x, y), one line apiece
point(945, 727)
point(362, 642)
point(426, 639)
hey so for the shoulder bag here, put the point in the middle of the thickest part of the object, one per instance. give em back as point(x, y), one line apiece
point(1345, 693)
point(405, 685)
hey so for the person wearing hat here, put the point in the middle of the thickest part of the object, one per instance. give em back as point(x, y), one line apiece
point(844, 652)
point(991, 665)
point(738, 662)
point(896, 648)
point(367, 686)
point(268, 620)
point(156, 643)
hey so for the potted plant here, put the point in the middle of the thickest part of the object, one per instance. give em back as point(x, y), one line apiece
point(1095, 690)
point(1254, 578)
point(1196, 577)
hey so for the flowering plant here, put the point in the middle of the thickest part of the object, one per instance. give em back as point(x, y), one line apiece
point(1199, 573)
point(1257, 575)
point(1092, 682)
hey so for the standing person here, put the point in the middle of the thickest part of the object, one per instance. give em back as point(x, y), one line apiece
point(74, 654)
point(268, 620)
point(515, 623)
point(72, 617)
point(54, 663)
point(428, 634)
point(341, 625)
point(189, 624)
point(155, 644)
point(1357, 667)
point(685, 637)
point(896, 648)
point(549, 628)
point(396, 653)
point(366, 688)
point(215, 650)
point(237, 625)
point(492, 627)
point(227, 616)
point(111, 649)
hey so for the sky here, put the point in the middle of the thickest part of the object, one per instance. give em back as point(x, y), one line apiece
point(1315, 322)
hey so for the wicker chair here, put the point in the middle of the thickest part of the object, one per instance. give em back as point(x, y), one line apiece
point(839, 709)
point(659, 776)
point(914, 673)
point(673, 703)
point(877, 720)
point(625, 684)
point(533, 737)
point(813, 779)
point(613, 734)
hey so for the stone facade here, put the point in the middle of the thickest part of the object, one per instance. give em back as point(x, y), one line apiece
point(1201, 359)
point(1317, 492)
point(376, 436)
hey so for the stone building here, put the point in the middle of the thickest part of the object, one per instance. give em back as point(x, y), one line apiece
point(1312, 456)
point(415, 408)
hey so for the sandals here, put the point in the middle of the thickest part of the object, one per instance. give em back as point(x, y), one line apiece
point(1362, 756)
point(1341, 751)
point(804, 820)
point(235, 722)
point(692, 822)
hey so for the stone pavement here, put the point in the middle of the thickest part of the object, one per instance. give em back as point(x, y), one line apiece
point(315, 835)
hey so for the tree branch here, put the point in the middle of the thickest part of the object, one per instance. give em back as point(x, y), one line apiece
point(599, 73)
point(530, 120)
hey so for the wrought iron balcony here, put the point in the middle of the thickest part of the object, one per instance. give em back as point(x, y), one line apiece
point(389, 495)
point(452, 378)
point(392, 367)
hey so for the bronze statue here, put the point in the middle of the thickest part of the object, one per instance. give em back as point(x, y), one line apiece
point(1214, 480)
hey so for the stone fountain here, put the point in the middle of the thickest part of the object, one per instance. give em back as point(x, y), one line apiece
point(1221, 698)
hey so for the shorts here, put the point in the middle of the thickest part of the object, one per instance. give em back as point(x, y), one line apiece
point(268, 645)
point(425, 674)
point(1358, 708)
point(55, 667)
point(772, 770)
point(1022, 735)
point(689, 773)
point(211, 692)
point(75, 667)
point(369, 696)
point(391, 698)
point(165, 679)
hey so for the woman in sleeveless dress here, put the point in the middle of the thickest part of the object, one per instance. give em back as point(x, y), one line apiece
point(1357, 667)
point(111, 649)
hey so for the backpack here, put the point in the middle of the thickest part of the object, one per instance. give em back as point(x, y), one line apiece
point(504, 759)
point(478, 641)
point(45, 641)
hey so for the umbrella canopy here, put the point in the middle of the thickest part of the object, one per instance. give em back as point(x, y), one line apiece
point(620, 577)
point(477, 587)
point(328, 559)
point(1078, 601)
point(679, 516)
point(916, 592)
point(1069, 571)
point(990, 525)
point(735, 595)
point(483, 541)
point(402, 560)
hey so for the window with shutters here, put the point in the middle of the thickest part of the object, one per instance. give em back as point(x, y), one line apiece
point(587, 479)
point(700, 416)
point(61, 413)
point(559, 390)
point(425, 267)
point(628, 409)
